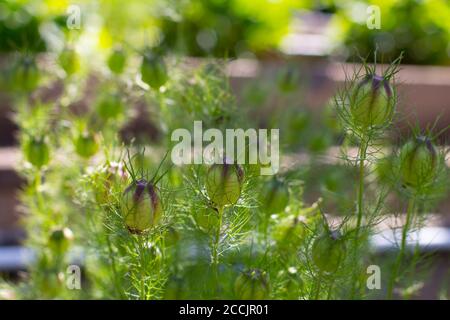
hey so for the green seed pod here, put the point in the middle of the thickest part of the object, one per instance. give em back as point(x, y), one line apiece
point(86, 144)
point(274, 196)
point(206, 219)
point(110, 106)
point(117, 60)
point(328, 251)
point(418, 162)
point(293, 283)
point(252, 285)
point(141, 206)
point(60, 239)
point(37, 152)
point(372, 102)
point(289, 232)
point(153, 70)
point(69, 61)
point(224, 184)
point(25, 75)
point(111, 176)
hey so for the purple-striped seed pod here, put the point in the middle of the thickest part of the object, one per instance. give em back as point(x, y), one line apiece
point(418, 162)
point(372, 102)
point(224, 184)
point(141, 207)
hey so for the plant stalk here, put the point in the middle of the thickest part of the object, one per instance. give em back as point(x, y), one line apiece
point(400, 256)
point(362, 155)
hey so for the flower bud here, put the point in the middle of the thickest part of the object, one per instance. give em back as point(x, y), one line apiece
point(252, 285)
point(274, 196)
point(37, 152)
point(141, 207)
point(153, 70)
point(224, 184)
point(418, 162)
point(372, 102)
point(60, 239)
point(117, 60)
point(328, 251)
point(86, 144)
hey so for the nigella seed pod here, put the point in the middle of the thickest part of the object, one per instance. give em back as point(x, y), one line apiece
point(206, 219)
point(289, 232)
point(69, 61)
point(274, 196)
point(224, 184)
point(86, 144)
point(418, 162)
point(328, 251)
point(141, 206)
point(112, 175)
point(37, 152)
point(252, 285)
point(293, 283)
point(110, 106)
point(117, 60)
point(25, 75)
point(60, 239)
point(372, 102)
point(153, 70)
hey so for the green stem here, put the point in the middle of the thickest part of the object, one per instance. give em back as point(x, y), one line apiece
point(362, 161)
point(330, 289)
point(37, 186)
point(113, 267)
point(215, 248)
point(142, 264)
point(362, 155)
point(400, 256)
point(317, 286)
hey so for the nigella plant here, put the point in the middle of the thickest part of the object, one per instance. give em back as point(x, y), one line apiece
point(366, 107)
point(134, 234)
point(421, 176)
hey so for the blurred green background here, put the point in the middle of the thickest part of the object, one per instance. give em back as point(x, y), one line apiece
point(235, 28)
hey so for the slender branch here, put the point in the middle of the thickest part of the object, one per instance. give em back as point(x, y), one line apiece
point(400, 256)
